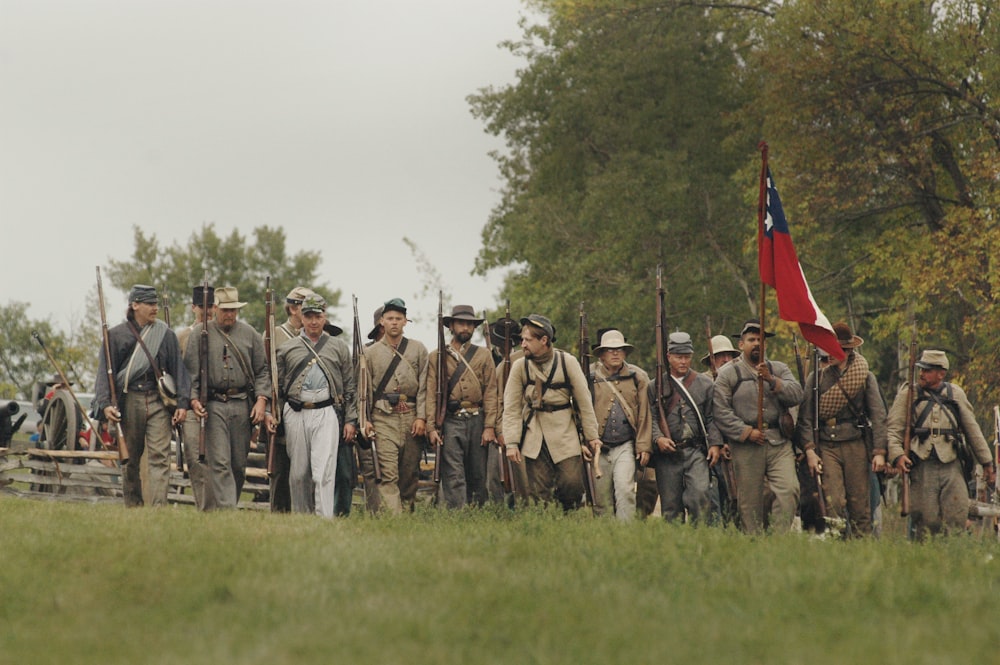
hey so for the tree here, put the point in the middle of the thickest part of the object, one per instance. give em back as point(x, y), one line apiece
point(23, 362)
point(229, 261)
point(617, 160)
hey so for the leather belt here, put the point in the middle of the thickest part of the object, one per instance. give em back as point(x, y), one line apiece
point(549, 409)
point(231, 394)
point(298, 406)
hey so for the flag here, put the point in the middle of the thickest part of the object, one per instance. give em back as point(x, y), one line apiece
point(780, 268)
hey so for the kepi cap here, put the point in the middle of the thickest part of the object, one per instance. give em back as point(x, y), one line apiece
point(543, 322)
point(752, 325)
point(297, 295)
point(394, 305)
point(378, 316)
point(142, 293)
point(680, 343)
point(313, 303)
point(933, 359)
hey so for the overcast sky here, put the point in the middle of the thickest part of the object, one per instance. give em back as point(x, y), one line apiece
point(345, 122)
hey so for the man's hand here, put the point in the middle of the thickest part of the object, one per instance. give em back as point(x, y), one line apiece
point(714, 455)
point(199, 409)
point(757, 436)
point(666, 444)
point(878, 463)
point(435, 438)
point(814, 462)
point(514, 455)
point(112, 414)
point(643, 459)
point(419, 427)
point(990, 474)
point(258, 410)
point(489, 436)
point(350, 432)
point(903, 464)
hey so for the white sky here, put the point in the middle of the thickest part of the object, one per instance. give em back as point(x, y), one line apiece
point(345, 122)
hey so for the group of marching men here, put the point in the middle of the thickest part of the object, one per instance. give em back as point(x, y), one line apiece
point(522, 419)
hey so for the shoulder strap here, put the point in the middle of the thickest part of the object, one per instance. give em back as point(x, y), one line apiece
point(319, 361)
point(691, 402)
point(244, 365)
point(397, 356)
point(462, 366)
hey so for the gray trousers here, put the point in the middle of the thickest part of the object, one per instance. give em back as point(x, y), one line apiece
point(312, 437)
point(463, 461)
point(759, 468)
point(197, 470)
point(847, 484)
point(146, 425)
point(548, 480)
point(682, 481)
point(939, 498)
point(227, 444)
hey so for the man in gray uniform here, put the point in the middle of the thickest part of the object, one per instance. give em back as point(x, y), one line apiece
point(683, 453)
point(145, 417)
point(762, 456)
point(942, 421)
point(238, 391)
point(317, 383)
point(197, 469)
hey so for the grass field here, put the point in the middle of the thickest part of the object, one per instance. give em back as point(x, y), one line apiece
point(101, 584)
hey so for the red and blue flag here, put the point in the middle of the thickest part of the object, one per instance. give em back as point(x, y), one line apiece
point(780, 268)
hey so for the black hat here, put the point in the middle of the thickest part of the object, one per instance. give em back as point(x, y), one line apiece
point(331, 329)
point(752, 325)
point(198, 295)
point(505, 328)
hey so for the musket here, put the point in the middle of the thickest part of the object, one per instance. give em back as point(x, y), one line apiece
point(711, 353)
point(585, 362)
point(112, 389)
point(904, 503)
point(178, 429)
point(441, 394)
point(94, 427)
point(203, 368)
point(504, 481)
point(272, 370)
point(364, 386)
point(505, 374)
point(661, 367)
point(821, 498)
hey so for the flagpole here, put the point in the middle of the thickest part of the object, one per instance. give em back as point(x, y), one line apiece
point(761, 212)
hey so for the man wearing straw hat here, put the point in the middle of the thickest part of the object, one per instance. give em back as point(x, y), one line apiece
point(762, 453)
point(852, 432)
point(469, 427)
point(621, 404)
point(942, 423)
point(238, 390)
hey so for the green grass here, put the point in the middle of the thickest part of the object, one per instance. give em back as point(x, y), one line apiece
point(101, 584)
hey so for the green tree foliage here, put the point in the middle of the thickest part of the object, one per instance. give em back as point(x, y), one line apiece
point(23, 361)
point(227, 261)
point(617, 161)
point(887, 126)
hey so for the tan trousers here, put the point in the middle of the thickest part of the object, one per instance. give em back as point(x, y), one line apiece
point(399, 459)
point(846, 483)
point(146, 425)
point(767, 466)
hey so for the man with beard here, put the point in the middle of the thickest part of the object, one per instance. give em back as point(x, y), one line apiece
point(398, 367)
point(143, 348)
point(238, 390)
point(683, 454)
point(544, 389)
point(469, 427)
point(762, 457)
point(942, 423)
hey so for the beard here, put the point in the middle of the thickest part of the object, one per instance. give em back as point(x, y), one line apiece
point(755, 355)
point(463, 337)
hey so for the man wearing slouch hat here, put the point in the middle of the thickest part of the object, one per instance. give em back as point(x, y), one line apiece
point(138, 367)
point(852, 432)
point(197, 469)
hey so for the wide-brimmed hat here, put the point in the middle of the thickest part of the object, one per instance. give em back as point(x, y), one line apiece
point(542, 322)
point(505, 328)
point(378, 317)
point(462, 313)
point(680, 343)
point(331, 329)
point(720, 344)
point(752, 325)
point(297, 295)
point(613, 339)
point(846, 337)
point(228, 297)
point(933, 359)
point(142, 293)
point(198, 295)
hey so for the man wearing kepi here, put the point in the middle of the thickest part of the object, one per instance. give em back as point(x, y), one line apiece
point(398, 368)
point(852, 432)
point(469, 427)
point(197, 469)
point(316, 380)
point(942, 422)
point(762, 458)
point(621, 405)
point(144, 352)
point(238, 390)
point(682, 454)
point(279, 497)
point(545, 387)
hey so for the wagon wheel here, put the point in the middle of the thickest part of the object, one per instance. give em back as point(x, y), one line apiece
point(60, 427)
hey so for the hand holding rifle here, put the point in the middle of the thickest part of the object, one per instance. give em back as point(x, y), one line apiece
point(365, 427)
point(111, 412)
point(904, 462)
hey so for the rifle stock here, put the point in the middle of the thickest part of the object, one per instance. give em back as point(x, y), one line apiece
point(661, 368)
point(364, 390)
point(585, 361)
point(272, 370)
point(441, 394)
point(510, 485)
point(112, 388)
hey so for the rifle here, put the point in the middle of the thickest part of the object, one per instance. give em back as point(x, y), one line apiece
point(509, 485)
point(821, 498)
point(94, 427)
point(594, 468)
point(203, 368)
point(178, 430)
point(112, 389)
point(904, 503)
point(992, 491)
point(661, 395)
point(364, 386)
point(489, 347)
point(441, 395)
point(272, 370)
point(711, 354)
